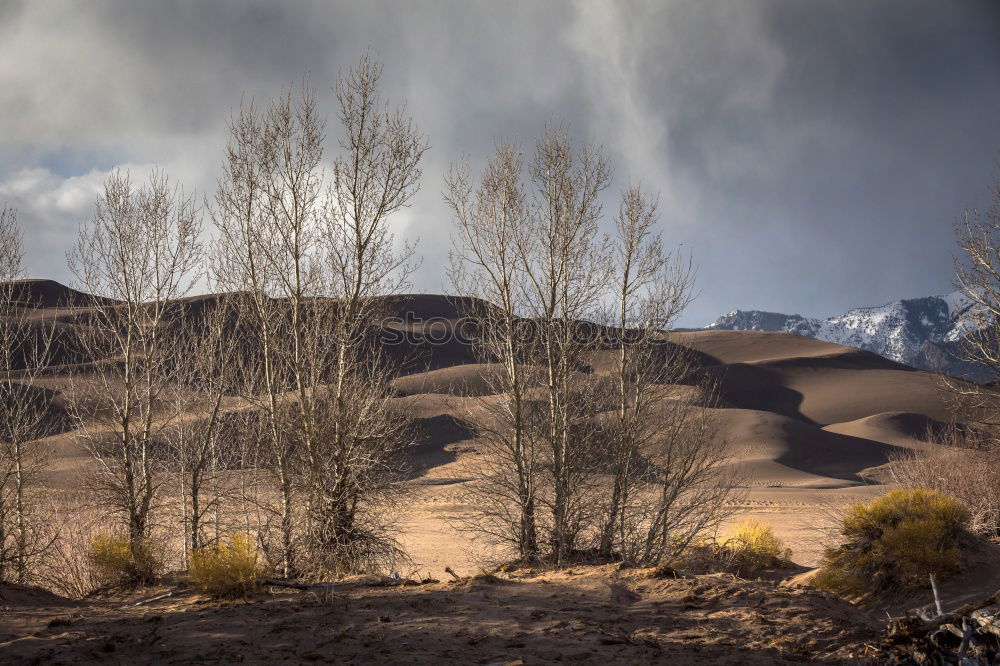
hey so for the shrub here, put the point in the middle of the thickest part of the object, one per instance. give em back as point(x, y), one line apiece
point(234, 568)
point(750, 548)
point(755, 547)
point(894, 543)
point(117, 561)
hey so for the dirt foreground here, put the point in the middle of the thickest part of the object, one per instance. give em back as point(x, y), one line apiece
point(588, 615)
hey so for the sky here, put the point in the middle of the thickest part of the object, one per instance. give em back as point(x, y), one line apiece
point(812, 156)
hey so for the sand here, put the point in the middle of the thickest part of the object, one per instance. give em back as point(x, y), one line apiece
point(593, 615)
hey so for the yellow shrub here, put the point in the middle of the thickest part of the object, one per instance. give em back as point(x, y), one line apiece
point(754, 546)
point(751, 548)
point(233, 568)
point(895, 542)
point(117, 561)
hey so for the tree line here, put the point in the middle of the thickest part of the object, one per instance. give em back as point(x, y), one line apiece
point(269, 409)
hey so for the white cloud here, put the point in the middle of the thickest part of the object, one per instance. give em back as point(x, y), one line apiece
point(50, 209)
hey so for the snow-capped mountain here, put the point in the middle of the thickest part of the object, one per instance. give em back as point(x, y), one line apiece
point(922, 332)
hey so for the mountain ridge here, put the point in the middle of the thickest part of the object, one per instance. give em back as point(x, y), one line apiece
point(923, 332)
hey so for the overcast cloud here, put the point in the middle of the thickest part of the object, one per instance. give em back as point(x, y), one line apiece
point(812, 154)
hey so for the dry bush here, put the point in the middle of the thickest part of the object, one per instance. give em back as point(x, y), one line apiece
point(895, 543)
point(752, 547)
point(233, 568)
point(965, 468)
point(119, 560)
point(756, 547)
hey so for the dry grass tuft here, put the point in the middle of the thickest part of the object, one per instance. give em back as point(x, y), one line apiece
point(234, 568)
point(755, 547)
point(117, 561)
point(752, 547)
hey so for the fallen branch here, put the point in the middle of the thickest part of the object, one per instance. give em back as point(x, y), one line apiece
point(937, 597)
point(957, 615)
point(157, 598)
point(967, 635)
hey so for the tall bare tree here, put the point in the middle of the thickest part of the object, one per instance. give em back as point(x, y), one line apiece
point(24, 408)
point(486, 264)
point(136, 257)
point(565, 264)
point(266, 221)
point(598, 436)
point(651, 287)
point(314, 268)
point(375, 175)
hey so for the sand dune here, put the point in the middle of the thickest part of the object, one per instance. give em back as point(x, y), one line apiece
point(49, 294)
point(804, 419)
point(902, 429)
point(838, 395)
point(780, 451)
point(472, 379)
point(754, 346)
point(814, 381)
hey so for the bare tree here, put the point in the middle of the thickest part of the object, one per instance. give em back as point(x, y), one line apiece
point(351, 469)
point(137, 256)
point(652, 287)
point(977, 273)
point(265, 216)
point(314, 269)
point(966, 464)
point(541, 264)
point(596, 435)
point(565, 264)
point(204, 360)
point(24, 409)
point(485, 264)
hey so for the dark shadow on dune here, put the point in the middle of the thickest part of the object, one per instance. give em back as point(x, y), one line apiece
point(833, 455)
point(918, 426)
point(747, 386)
point(431, 436)
point(53, 418)
point(761, 385)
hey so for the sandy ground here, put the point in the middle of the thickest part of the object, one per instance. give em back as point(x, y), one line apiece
point(593, 615)
point(803, 518)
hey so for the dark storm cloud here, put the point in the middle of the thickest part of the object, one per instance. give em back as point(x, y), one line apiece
point(812, 154)
point(882, 126)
